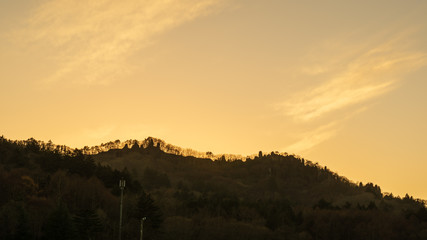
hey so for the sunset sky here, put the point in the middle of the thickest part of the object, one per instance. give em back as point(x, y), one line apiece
point(342, 83)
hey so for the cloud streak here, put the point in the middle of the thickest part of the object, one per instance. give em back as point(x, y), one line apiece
point(319, 134)
point(345, 82)
point(93, 40)
point(310, 139)
point(365, 74)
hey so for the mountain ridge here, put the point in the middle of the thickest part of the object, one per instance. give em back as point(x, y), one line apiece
point(165, 147)
point(269, 196)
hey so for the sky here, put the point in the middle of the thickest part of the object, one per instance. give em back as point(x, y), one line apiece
point(341, 83)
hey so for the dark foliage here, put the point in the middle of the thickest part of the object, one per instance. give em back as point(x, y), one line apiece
point(59, 225)
point(150, 214)
point(54, 192)
point(87, 224)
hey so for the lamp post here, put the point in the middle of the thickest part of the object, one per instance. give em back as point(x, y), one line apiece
point(122, 184)
point(142, 227)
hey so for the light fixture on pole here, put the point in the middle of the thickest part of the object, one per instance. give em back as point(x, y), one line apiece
point(122, 184)
point(142, 227)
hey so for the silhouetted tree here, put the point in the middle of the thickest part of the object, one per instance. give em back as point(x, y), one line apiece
point(87, 224)
point(147, 208)
point(59, 225)
point(23, 230)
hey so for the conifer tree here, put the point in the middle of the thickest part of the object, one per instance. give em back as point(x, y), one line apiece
point(87, 224)
point(59, 225)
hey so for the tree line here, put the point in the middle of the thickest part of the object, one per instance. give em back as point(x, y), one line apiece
point(55, 193)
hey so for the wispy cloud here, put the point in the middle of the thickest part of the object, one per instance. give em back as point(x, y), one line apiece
point(320, 133)
point(344, 81)
point(93, 40)
point(312, 138)
point(361, 76)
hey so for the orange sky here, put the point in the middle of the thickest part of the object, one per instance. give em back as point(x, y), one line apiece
point(341, 83)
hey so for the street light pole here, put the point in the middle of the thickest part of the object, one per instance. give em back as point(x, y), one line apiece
point(142, 227)
point(122, 184)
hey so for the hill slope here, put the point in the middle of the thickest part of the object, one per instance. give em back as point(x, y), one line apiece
point(271, 196)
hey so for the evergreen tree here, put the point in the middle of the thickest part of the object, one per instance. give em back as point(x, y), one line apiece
point(59, 225)
point(23, 231)
point(87, 224)
point(147, 209)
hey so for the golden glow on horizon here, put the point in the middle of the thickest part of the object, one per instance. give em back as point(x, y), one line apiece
point(340, 83)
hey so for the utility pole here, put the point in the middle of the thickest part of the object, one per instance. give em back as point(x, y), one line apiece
point(142, 227)
point(122, 184)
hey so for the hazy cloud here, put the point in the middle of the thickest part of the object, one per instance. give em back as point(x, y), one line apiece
point(310, 139)
point(320, 133)
point(365, 74)
point(93, 39)
point(345, 76)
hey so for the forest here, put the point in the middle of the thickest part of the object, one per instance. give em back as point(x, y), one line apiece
point(49, 191)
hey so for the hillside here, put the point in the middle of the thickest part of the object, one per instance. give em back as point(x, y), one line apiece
point(269, 196)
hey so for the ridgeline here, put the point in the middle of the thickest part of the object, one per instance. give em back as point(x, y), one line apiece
point(55, 192)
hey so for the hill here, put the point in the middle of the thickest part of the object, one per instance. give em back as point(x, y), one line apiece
point(268, 196)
